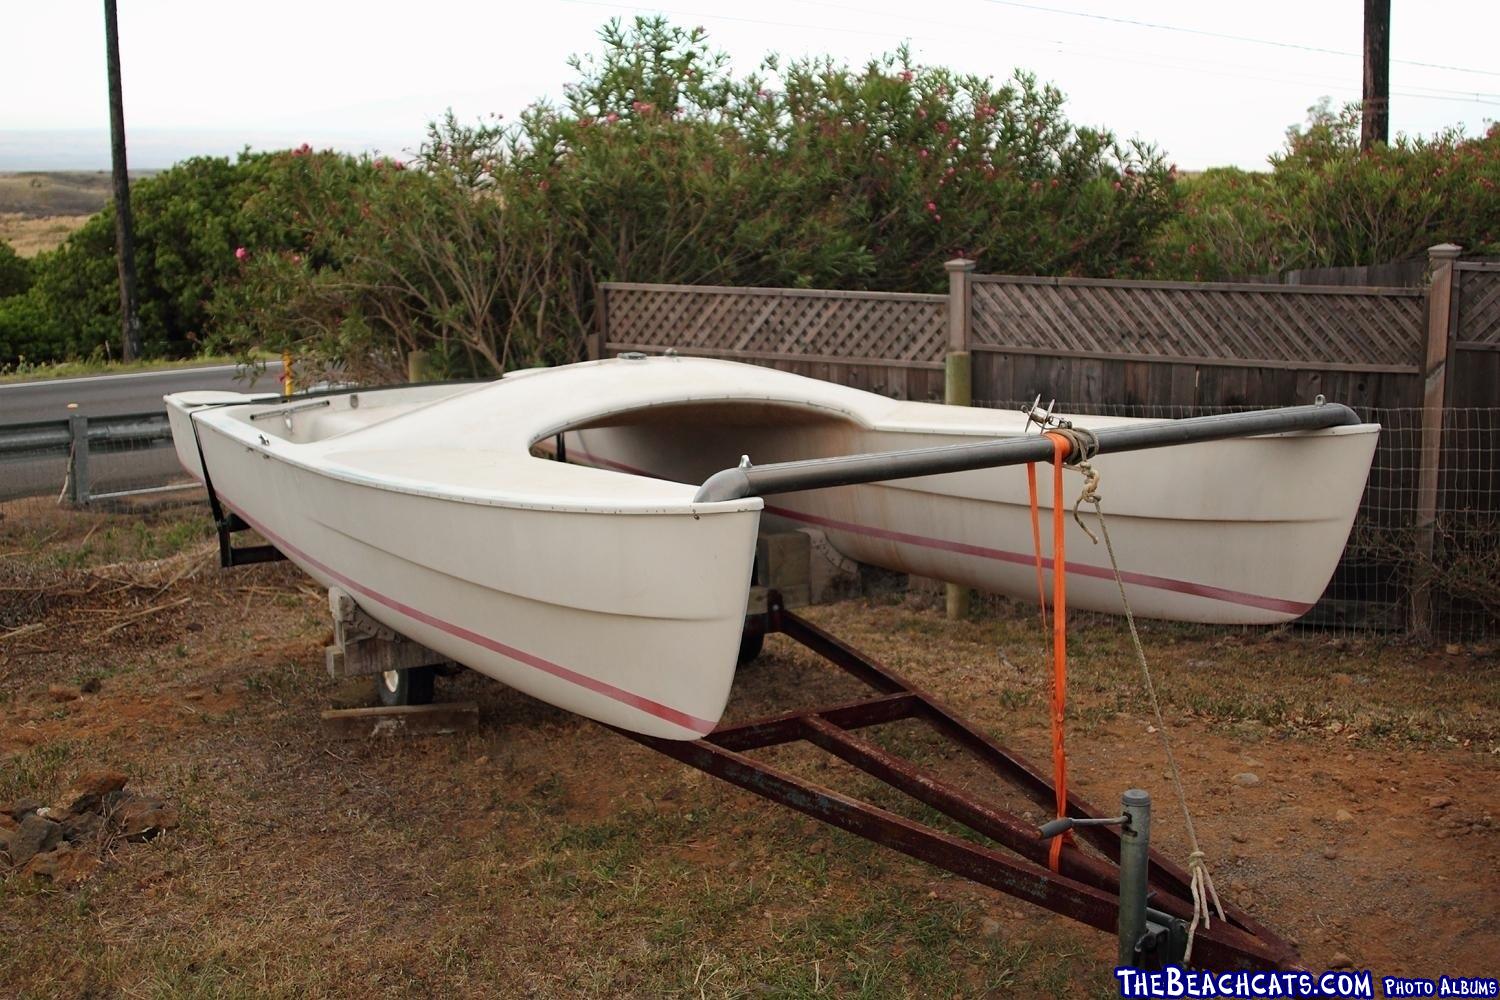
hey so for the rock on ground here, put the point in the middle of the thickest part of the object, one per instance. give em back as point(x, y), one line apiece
point(87, 792)
point(64, 864)
point(35, 835)
point(138, 818)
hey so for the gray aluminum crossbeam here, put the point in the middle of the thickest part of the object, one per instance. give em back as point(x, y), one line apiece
point(847, 470)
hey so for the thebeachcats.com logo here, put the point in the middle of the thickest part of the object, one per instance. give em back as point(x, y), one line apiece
point(1442, 986)
point(1175, 981)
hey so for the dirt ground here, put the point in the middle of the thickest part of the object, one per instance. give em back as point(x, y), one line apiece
point(543, 855)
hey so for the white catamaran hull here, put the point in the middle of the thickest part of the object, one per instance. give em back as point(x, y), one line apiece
point(600, 586)
point(1245, 531)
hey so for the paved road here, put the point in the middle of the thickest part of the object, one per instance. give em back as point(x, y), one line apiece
point(102, 396)
point(108, 395)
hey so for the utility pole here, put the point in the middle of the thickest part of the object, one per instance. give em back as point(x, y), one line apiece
point(130, 320)
point(1375, 117)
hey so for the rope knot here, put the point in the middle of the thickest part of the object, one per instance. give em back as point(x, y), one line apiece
point(1083, 444)
point(1202, 885)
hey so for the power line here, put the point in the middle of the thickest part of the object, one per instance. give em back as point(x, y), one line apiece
point(1204, 33)
point(1058, 45)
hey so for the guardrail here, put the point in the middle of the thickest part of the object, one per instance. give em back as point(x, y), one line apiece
point(78, 436)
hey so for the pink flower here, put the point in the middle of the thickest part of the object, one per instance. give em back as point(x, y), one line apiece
point(240, 253)
point(302, 150)
point(932, 206)
point(611, 118)
point(906, 76)
point(923, 154)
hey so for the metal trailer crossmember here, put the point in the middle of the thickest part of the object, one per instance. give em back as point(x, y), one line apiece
point(1086, 887)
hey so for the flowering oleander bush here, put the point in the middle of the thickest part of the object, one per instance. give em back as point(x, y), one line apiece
point(660, 166)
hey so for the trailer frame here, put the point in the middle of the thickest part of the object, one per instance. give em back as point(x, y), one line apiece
point(1013, 858)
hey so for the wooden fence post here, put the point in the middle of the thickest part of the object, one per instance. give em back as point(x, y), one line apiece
point(958, 381)
point(418, 366)
point(1440, 307)
point(593, 345)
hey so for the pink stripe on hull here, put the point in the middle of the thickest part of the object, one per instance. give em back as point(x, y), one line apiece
point(1002, 555)
point(701, 727)
point(1098, 572)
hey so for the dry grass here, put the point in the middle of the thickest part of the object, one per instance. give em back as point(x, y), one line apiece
point(31, 235)
point(40, 209)
point(56, 192)
point(545, 856)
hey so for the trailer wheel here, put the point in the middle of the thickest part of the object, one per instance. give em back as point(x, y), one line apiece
point(405, 687)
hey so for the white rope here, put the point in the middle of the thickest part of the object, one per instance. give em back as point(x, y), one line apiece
point(1201, 882)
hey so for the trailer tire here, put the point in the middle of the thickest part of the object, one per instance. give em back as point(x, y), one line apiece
point(412, 686)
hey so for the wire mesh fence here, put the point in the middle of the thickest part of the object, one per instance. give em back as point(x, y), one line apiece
point(87, 461)
point(1398, 576)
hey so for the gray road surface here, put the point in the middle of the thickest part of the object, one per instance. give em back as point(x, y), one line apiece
point(109, 395)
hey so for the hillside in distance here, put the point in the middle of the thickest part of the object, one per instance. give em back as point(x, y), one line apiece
point(39, 208)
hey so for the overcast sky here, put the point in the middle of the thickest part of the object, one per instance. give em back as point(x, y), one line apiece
point(211, 77)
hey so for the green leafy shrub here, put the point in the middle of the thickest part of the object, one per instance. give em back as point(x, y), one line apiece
point(661, 166)
point(1327, 204)
point(374, 261)
point(27, 330)
point(15, 271)
point(188, 221)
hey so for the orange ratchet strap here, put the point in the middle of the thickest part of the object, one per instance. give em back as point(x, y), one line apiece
point(1060, 449)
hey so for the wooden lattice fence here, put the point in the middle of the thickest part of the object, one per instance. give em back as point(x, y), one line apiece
point(1427, 357)
point(885, 341)
point(1476, 334)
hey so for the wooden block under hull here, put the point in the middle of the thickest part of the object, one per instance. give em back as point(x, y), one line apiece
point(401, 720)
point(362, 646)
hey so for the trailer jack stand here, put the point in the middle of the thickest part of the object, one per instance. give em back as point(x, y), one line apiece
point(1106, 880)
